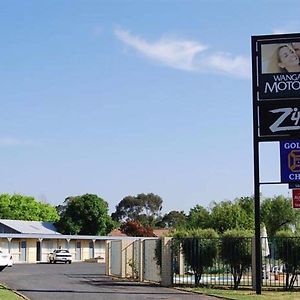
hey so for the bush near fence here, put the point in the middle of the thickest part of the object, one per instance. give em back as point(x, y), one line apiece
point(281, 268)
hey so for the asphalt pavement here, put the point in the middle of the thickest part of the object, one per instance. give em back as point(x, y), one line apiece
point(82, 281)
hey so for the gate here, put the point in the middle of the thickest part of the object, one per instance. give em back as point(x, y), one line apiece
point(146, 259)
point(115, 257)
point(151, 269)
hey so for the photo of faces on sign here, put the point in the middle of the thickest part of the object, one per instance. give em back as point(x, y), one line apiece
point(279, 69)
point(280, 57)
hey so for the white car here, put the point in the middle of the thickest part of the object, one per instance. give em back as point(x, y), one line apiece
point(60, 255)
point(5, 260)
point(278, 269)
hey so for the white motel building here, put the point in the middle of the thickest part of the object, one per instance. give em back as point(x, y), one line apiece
point(32, 241)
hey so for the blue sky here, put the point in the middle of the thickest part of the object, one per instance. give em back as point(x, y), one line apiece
point(124, 97)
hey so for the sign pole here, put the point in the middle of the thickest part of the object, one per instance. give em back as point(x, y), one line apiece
point(257, 227)
point(258, 279)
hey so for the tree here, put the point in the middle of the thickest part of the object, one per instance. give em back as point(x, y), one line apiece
point(229, 215)
point(236, 252)
point(19, 207)
point(288, 248)
point(198, 217)
point(277, 214)
point(247, 206)
point(134, 228)
point(129, 208)
point(86, 214)
point(173, 219)
point(199, 247)
point(144, 208)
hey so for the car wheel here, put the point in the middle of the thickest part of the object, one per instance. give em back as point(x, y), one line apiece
point(2, 268)
point(69, 261)
point(54, 261)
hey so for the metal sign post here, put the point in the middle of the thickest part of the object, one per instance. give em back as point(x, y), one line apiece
point(256, 173)
point(276, 108)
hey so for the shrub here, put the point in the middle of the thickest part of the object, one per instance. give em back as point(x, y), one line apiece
point(235, 250)
point(199, 247)
point(288, 250)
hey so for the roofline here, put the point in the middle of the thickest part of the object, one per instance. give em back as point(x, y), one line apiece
point(70, 237)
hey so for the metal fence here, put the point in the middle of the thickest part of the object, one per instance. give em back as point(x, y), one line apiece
point(228, 262)
point(282, 266)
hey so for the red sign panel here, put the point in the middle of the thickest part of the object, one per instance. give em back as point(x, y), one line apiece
point(296, 198)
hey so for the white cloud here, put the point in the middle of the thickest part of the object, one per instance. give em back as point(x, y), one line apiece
point(10, 141)
point(175, 53)
point(288, 27)
point(224, 63)
point(279, 31)
point(187, 55)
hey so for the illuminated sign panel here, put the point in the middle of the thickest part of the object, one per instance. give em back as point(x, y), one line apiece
point(276, 85)
point(290, 161)
point(279, 68)
point(296, 198)
point(280, 118)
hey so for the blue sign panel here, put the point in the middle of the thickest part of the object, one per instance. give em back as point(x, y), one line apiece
point(290, 161)
point(294, 186)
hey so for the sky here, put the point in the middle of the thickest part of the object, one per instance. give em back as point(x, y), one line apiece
point(122, 97)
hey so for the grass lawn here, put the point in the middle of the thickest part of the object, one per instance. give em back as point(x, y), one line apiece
point(6, 294)
point(246, 294)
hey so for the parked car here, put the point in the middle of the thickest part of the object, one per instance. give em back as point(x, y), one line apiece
point(60, 255)
point(278, 269)
point(5, 260)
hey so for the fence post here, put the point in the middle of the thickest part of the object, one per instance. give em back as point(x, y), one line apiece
point(166, 261)
point(181, 262)
point(107, 258)
point(141, 260)
point(253, 266)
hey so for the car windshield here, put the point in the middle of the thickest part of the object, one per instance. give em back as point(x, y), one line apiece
point(62, 251)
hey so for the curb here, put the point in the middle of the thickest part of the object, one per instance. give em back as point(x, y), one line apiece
point(20, 295)
point(204, 294)
point(15, 292)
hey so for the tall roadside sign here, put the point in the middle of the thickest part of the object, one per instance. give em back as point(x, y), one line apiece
point(276, 113)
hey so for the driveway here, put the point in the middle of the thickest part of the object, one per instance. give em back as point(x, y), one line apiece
point(81, 281)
